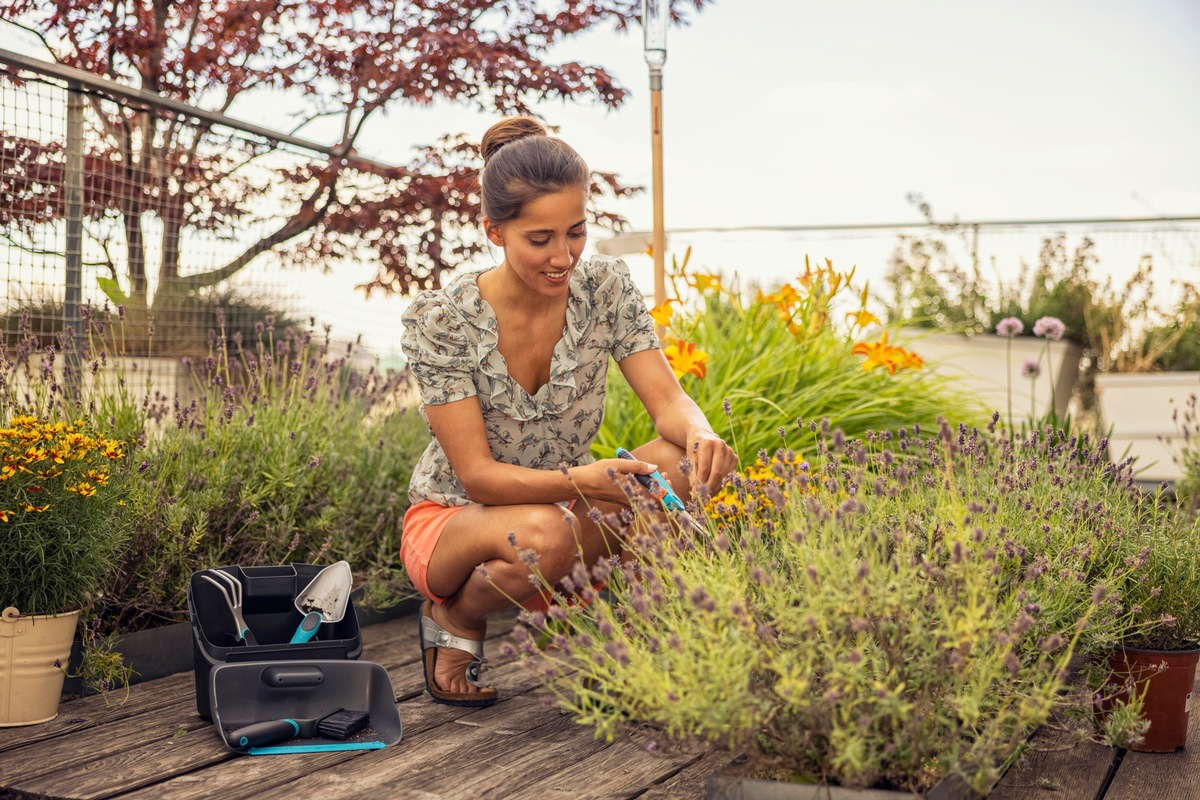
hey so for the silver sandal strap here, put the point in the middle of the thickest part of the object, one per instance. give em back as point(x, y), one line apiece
point(435, 635)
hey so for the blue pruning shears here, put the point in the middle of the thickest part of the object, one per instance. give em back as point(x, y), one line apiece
point(657, 485)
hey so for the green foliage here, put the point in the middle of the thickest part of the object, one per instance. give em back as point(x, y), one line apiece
point(781, 358)
point(63, 521)
point(288, 456)
point(902, 607)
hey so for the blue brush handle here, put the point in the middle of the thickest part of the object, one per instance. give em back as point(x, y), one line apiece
point(655, 483)
point(307, 628)
point(316, 748)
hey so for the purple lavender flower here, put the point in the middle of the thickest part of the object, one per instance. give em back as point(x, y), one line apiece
point(1051, 328)
point(1031, 369)
point(1010, 327)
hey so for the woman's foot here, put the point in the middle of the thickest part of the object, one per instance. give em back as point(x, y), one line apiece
point(452, 657)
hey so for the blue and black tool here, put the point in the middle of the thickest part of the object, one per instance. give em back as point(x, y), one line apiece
point(657, 485)
point(339, 724)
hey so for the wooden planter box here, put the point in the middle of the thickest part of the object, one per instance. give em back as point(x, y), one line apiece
point(724, 787)
point(1140, 409)
point(981, 362)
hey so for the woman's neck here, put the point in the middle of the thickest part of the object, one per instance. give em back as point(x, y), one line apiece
point(504, 291)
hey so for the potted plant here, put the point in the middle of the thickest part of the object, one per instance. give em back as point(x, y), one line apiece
point(1153, 665)
point(964, 313)
point(62, 528)
point(1149, 362)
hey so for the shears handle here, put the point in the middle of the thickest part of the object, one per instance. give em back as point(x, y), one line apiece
point(655, 483)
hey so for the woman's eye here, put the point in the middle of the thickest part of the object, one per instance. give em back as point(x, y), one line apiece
point(580, 235)
point(539, 242)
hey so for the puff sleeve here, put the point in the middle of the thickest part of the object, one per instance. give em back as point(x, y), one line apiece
point(438, 349)
point(633, 327)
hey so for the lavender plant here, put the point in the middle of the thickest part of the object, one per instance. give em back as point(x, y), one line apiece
point(891, 610)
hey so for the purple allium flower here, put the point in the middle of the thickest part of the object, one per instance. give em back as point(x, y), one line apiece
point(1009, 327)
point(1031, 369)
point(1051, 328)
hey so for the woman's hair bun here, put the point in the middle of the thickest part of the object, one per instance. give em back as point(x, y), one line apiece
point(508, 130)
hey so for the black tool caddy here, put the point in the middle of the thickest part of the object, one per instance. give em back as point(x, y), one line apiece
point(268, 596)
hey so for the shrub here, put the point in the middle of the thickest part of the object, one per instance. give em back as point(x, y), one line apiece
point(784, 356)
point(893, 609)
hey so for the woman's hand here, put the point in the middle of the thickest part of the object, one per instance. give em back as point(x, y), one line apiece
point(712, 459)
point(594, 481)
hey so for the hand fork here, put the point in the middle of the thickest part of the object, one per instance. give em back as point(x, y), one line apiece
point(234, 601)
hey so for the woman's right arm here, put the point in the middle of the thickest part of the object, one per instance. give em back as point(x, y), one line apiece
point(460, 431)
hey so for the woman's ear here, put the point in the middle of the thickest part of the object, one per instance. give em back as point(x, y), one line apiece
point(493, 232)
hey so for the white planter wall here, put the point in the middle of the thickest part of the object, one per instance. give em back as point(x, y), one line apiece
point(1140, 407)
point(983, 365)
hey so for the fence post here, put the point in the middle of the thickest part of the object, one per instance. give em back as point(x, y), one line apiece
point(74, 244)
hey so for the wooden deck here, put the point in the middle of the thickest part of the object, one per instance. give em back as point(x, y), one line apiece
point(156, 747)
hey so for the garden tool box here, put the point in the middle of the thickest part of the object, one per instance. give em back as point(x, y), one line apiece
point(267, 597)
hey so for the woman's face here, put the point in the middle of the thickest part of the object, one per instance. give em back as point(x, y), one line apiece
point(543, 245)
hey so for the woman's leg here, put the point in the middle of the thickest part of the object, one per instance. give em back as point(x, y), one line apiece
point(480, 536)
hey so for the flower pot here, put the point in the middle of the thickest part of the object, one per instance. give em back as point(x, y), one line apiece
point(33, 651)
point(1141, 408)
point(1164, 679)
point(983, 365)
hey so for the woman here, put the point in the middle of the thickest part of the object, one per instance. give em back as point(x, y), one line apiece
point(511, 365)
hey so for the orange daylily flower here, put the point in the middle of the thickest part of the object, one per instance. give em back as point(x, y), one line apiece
point(684, 357)
point(862, 318)
point(704, 281)
point(663, 312)
point(890, 357)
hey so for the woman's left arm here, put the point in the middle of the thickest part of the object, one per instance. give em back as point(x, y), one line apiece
point(676, 416)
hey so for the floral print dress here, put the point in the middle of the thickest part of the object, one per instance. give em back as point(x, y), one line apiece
point(450, 339)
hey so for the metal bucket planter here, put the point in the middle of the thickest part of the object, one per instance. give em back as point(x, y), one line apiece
point(33, 651)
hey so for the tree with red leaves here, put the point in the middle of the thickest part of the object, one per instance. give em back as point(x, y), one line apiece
point(346, 60)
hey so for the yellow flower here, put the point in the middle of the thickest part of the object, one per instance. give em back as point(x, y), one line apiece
point(5, 514)
point(684, 357)
point(862, 318)
point(890, 357)
point(84, 489)
point(30, 507)
point(704, 282)
point(663, 312)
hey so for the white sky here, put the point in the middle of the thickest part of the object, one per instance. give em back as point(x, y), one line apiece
point(781, 112)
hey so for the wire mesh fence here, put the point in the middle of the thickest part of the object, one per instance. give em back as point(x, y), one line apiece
point(107, 201)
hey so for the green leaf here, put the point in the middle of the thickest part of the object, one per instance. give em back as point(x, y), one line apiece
point(112, 290)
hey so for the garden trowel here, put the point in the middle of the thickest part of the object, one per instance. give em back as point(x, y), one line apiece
point(323, 600)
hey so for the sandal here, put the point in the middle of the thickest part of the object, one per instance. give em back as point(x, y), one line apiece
point(433, 638)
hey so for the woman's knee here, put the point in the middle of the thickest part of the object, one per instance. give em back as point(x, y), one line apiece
point(552, 534)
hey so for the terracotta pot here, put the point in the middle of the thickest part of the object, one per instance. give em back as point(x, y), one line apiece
point(1165, 679)
point(33, 651)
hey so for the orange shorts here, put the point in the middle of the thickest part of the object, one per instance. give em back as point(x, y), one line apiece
point(420, 532)
point(422, 528)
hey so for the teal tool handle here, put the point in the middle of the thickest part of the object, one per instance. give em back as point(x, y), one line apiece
point(260, 733)
point(655, 483)
point(307, 628)
point(315, 748)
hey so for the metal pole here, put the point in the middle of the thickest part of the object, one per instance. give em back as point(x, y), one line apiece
point(656, 143)
point(74, 244)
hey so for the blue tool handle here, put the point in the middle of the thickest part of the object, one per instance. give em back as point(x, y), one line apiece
point(307, 628)
point(260, 733)
point(316, 748)
point(655, 483)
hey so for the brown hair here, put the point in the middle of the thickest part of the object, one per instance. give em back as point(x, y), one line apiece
point(522, 163)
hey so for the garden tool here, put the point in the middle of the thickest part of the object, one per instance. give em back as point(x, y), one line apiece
point(227, 585)
point(323, 600)
point(339, 724)
point(657, 485)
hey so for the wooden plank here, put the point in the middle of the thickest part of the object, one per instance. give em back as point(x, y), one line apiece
point(1163, 776)
point(691, 781)
point(621, 769)
point(1061, 763)
point(88, 712)
point(253, 776)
